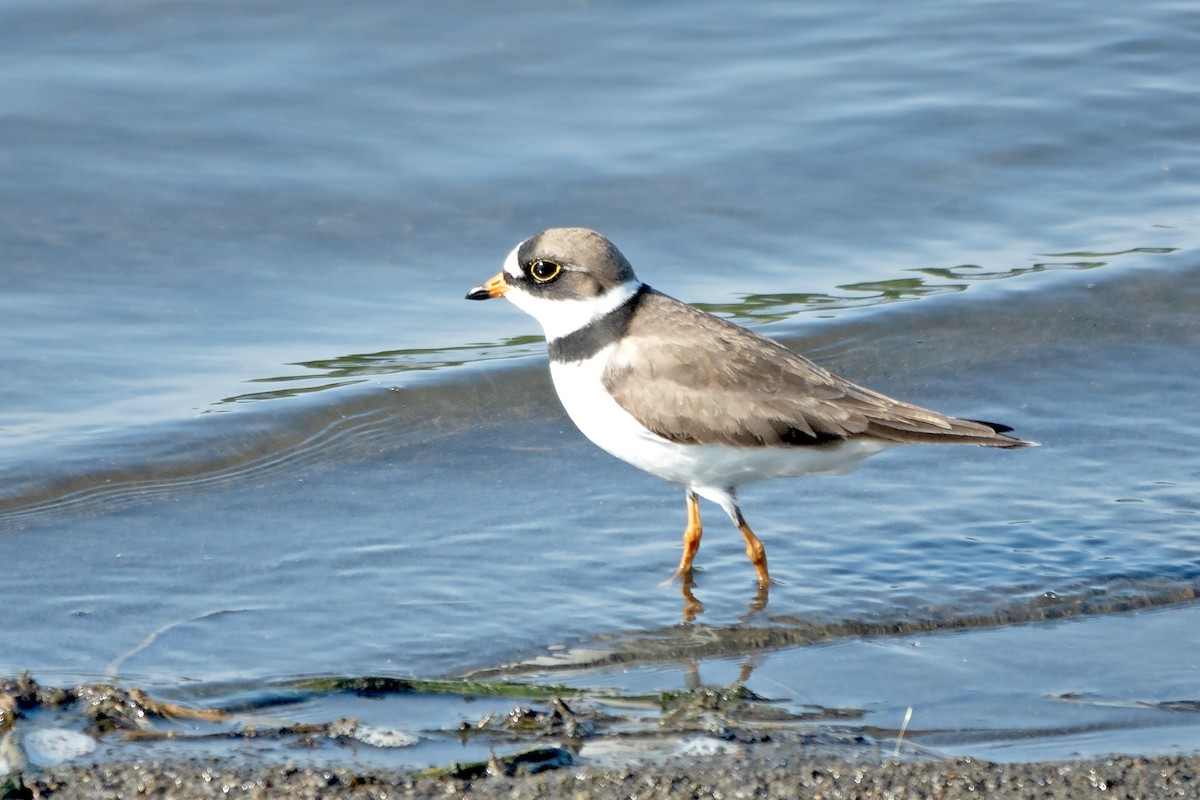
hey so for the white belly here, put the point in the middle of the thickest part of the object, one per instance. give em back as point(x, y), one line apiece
point(716, 466)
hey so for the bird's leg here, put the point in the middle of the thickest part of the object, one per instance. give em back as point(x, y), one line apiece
point(755, 550)
point(691, 536)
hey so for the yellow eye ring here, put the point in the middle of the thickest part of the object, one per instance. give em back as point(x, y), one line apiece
point(544, 271)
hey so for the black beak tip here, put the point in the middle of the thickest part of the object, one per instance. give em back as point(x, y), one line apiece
point(478, 293)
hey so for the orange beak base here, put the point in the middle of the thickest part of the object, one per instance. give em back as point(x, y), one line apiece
point(495, 287)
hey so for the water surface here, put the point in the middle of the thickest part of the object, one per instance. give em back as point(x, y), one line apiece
point(251, 430)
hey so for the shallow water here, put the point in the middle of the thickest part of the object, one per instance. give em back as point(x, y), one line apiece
point(252, 431)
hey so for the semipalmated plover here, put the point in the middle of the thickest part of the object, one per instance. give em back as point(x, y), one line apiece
point(695, 399)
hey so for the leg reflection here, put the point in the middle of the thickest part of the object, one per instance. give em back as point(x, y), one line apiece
point(691, 606)
point(759, 602)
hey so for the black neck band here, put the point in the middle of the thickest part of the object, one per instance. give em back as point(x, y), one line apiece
point(597, 334)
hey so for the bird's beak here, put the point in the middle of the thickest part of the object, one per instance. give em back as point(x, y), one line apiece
point(495, 287)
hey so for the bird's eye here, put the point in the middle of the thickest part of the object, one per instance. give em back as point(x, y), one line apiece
point(544, 271)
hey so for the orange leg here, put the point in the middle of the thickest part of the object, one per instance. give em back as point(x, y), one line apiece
point(691, 536)
point(755, 550)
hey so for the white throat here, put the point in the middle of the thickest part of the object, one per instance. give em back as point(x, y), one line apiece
point(559, 317)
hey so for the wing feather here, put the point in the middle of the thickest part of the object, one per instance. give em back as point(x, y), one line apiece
point(665, 371)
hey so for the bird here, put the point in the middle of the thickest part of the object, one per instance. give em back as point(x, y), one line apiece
point(695, 399)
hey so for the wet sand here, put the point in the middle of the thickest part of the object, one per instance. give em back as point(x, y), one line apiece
point(781, 776)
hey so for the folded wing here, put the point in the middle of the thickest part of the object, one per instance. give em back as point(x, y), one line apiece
point(750, 391)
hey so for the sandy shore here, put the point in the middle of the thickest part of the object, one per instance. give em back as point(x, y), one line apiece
point(774, 762)
point(723, 777)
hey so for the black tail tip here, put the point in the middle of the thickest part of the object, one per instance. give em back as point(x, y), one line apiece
point(1010, 441)
point(996, 426)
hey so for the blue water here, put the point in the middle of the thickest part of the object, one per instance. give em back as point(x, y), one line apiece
point(249, 429)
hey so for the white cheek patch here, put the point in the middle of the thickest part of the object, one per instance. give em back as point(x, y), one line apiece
point(511, 267)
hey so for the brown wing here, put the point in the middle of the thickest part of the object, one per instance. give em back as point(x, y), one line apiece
point(743, 389)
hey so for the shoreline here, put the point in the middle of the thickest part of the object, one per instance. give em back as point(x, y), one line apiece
point(789, 774)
